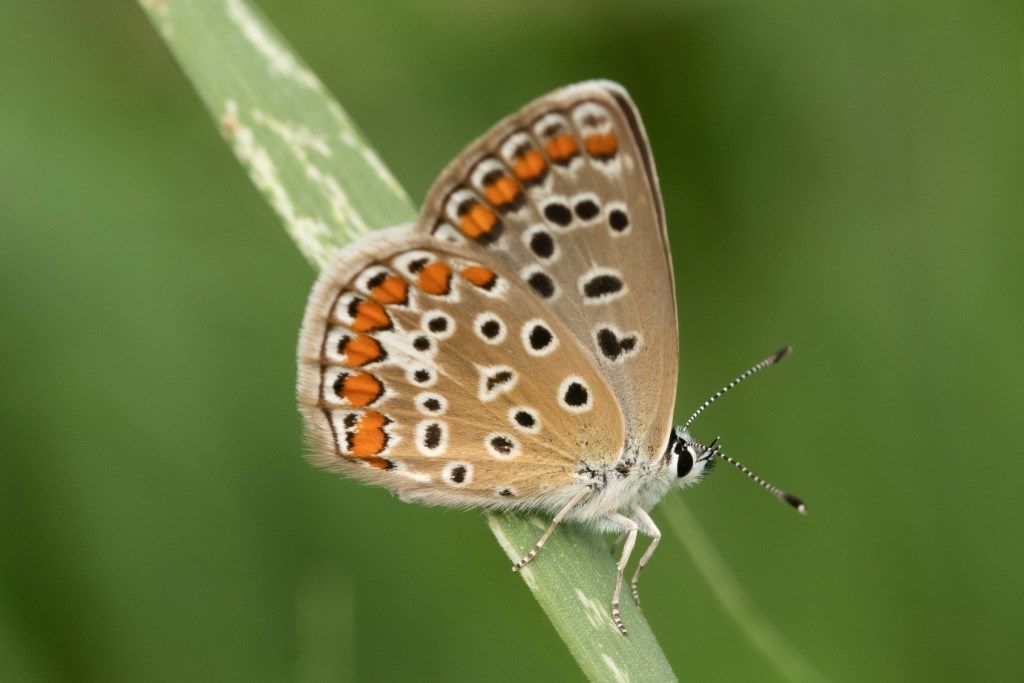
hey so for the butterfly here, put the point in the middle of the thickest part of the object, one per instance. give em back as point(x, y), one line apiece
point(516, 348)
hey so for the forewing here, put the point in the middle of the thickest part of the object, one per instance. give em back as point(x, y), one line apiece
point(565, 193)
point(430, 369)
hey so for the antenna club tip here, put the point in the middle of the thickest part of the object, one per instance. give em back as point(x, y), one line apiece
point(782, 353)
point(795, 502)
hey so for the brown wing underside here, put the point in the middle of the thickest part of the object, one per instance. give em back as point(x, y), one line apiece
point(432, 370)
point(564, 192)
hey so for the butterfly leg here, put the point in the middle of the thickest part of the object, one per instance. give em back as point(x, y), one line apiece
point(631, 528)
point(559, 516)
point(649, 528)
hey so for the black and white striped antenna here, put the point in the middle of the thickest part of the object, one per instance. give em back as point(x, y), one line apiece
point(757, 367)
point(713, 451)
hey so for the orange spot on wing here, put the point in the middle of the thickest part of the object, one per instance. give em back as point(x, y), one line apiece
point(502, 192)
point(362, 350)
point(530, 166)
point(380, 463)
point(562, 148)
point(479, 276)
point(435, 278)
point(369, 316)
point(361, 390)
point(368, 438)
point(477, 220)
point(602, 145)
point(393, 290)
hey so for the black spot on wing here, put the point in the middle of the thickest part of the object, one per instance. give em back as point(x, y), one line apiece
point(558, 213)
point(602, 285)
point(576, 395)
point(491, 328)
point(587, 209)
point(498, 378)
point(432, 436)
point(542, 245)
point(542, 284)
point(524, 419)
point(502, 444)
point(613, 346)
point(618, 220)
point(540, 337)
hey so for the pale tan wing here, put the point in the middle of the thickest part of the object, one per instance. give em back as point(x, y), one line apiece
point(430, 369)
point(565, 193)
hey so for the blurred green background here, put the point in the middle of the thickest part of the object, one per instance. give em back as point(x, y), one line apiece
point(844, 177)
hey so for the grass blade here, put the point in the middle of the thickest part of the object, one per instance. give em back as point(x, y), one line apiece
point(299, 146)
point(730, 594)
point(329, 187)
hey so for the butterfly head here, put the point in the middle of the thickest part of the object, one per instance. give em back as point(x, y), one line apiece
point(687, 459)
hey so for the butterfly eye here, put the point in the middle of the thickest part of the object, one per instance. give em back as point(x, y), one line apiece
point(685, 462)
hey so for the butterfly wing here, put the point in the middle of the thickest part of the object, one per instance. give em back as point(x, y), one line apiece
point(432, 370)
point(565, 193)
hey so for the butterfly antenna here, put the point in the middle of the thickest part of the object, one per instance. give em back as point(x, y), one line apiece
point(757, 367)
point(789, 498)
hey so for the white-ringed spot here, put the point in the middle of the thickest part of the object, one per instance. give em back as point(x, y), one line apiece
point(541, 244)
point(431, 403)
point(601, 285)
point(431, 437)
point(495, 380)
point(457, 473)
point(574, 395)
point(537, 337)
point(489, 327)
point(421, 376)
point(501, 446)
point(540, 282)
point(422, 343)
point(557, 211)
point(524, 419)
point(618, 218)
point(438, 324)
point(587, 207)
point(614, 344)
